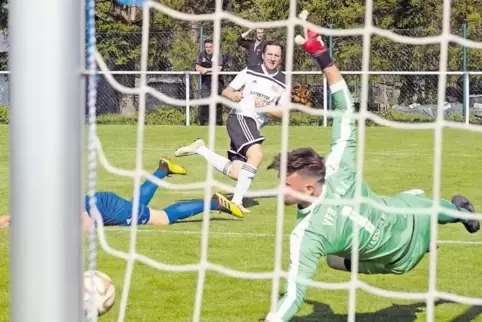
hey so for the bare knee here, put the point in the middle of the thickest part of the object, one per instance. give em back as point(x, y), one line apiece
point(158, 218)
point(255, 155)
point(336, 262)
point(233, 172)
point(4, 222)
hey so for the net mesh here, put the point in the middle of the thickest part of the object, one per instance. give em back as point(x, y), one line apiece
point(92, 156)
point(96, 151)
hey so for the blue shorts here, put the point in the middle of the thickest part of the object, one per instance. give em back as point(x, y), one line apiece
point(117, 211)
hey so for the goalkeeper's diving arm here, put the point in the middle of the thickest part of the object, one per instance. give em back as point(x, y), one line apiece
point(301, 271)
point(344, 122)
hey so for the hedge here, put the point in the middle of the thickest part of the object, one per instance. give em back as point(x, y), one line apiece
point(176, 116)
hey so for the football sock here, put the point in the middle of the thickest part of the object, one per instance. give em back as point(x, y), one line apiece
point(148, 188)
point(186, 209)
point(220, 163)
point(446, 219)
point(246, 176)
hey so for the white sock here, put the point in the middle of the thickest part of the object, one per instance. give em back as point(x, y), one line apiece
point(220, 163)
point(245, 178)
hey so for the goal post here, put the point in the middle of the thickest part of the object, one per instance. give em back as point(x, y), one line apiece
point(46, 144)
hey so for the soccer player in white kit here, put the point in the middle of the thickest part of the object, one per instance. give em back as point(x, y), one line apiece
point(252, 88)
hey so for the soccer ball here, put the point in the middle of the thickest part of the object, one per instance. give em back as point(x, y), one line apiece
point(104, 292)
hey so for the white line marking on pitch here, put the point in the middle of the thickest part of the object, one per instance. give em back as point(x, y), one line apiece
point(234, 234)
point(164, 148)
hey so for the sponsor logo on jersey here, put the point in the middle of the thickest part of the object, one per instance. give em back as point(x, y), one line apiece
point(376, 235)
point(260, 95)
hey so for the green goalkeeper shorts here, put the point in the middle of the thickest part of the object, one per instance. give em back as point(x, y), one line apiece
point(413, 254)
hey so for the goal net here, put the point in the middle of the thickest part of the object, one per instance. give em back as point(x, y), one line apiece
point(96, 153)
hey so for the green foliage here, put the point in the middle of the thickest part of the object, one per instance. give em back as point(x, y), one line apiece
point(174, 43)
point(177, 46)
point(170, 116)
point(183, 53)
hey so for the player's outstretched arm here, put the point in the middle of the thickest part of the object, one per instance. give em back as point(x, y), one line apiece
point(242, 41)
point(343, 139)
point(305, 251)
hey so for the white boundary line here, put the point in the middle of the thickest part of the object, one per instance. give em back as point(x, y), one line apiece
point(165, 149)
point(255, 235)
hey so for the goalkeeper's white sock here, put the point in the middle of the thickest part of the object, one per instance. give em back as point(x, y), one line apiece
point(245, 178)
point(219, 162)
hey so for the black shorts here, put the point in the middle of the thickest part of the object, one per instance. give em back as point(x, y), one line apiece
point(243, 133)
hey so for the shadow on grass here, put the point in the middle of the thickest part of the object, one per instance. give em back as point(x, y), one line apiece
point(469, 315)
point(395, 313)
point(186, 221)
point(247, 202)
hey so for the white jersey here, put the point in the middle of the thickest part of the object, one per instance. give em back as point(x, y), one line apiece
point(260, 86)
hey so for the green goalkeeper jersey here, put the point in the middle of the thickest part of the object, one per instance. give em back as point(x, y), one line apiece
point(325, 228)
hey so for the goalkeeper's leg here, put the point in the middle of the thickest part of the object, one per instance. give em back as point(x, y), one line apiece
point(417, 199)
point(364, 267)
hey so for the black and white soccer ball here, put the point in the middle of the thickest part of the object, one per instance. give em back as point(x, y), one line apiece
point(103, 293)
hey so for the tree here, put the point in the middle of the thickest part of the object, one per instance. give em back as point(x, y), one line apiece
point(174, 44)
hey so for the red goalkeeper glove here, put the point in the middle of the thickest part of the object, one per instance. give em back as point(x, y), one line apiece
point(313, 45)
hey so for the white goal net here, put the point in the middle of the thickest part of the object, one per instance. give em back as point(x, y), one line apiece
point(96, 153)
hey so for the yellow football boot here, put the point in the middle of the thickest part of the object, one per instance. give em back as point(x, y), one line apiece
point(224, 205)
point(170, 167)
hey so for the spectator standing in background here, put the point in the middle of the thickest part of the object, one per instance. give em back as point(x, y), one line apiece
point(255, 47)
point(204, 65)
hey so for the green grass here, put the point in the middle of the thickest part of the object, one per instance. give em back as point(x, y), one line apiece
point(395, 160)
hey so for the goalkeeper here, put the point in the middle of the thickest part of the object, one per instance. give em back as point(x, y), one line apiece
point(116, 211)
point(389, 243)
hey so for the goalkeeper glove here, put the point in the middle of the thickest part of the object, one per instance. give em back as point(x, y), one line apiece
point(313, 45)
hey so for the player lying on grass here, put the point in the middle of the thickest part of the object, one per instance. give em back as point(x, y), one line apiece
point(389, 243)
point(116, 211)
point(253, 87)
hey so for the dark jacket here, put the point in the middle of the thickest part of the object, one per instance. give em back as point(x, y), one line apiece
point(206, 61)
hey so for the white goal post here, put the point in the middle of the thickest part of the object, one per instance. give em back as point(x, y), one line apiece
point(46, 145)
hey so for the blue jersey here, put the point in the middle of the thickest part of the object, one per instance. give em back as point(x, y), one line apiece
point(117, 211)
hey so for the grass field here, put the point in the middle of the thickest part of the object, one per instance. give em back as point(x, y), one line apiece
point(395, 160)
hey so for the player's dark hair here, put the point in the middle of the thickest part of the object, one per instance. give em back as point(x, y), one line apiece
point(208, 41)
point(304, 161)
point(272, 43)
